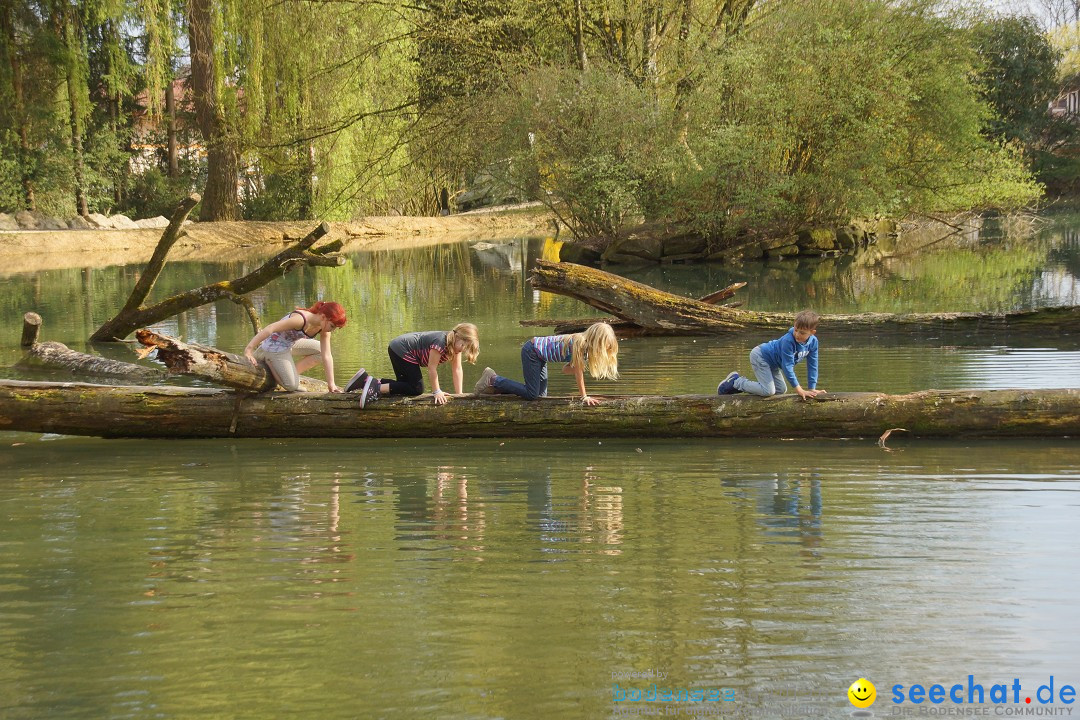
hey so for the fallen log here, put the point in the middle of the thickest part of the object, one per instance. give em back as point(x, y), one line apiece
point(216, 365)
point(664, 313)
point(172, 412)
point(624, 328)
point(58, 356)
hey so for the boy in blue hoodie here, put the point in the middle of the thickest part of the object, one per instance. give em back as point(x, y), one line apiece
point(775, 361)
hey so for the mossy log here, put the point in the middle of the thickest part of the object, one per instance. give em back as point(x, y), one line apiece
point(664, 313)
point(215, 365)
point(624, 328)
point(171, 412)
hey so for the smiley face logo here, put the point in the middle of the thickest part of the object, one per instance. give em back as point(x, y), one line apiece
point(862, 693)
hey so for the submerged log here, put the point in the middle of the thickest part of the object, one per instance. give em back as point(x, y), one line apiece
point(59, 356)
point(664, 313)
point(216, 365)
point(171, 412)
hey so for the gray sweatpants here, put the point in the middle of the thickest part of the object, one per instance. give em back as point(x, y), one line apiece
point(770, 380)
point(283, 365)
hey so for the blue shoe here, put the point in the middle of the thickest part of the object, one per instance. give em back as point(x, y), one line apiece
point(727, 387)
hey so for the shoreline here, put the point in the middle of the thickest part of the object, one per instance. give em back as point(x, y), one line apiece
point(36, 250)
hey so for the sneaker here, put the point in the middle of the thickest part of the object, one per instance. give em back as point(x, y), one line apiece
point(483, 385)
point(727, 386)
point(370, 393)
point(357, 381)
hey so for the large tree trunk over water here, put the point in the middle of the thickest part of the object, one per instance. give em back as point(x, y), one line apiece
point(664, 313)
point(168, 412)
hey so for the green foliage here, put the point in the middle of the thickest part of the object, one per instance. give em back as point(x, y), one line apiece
point(829, 110)
point(152, 193)
point(1018, 76)
point(592, 140)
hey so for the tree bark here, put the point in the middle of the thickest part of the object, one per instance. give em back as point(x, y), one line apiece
point(663, 313)
point(170, 412)
point(60, 357)
point(579, 36)
point(624, 328)
point(31, 329)
point(220, 199)
point(73, 43)
point(170, 129)
point(217, 365)
point(134, 316)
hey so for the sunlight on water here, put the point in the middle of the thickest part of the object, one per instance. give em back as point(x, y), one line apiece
point(511, 578)
point(528, 579)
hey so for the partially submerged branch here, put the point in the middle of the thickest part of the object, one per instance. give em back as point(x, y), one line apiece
point(216, 365)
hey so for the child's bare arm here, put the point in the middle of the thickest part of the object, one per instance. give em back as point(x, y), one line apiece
point(579, 375)
point(289, 323)
point(456, 374)
point(433, 377)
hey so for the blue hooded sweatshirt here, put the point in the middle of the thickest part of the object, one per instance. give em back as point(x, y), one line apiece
point(785, 352)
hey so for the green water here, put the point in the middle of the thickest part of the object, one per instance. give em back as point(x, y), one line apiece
point(526, 579)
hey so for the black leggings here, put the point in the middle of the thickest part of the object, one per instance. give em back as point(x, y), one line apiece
point(410, 378)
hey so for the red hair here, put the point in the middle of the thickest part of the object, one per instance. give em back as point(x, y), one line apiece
point(329, 310)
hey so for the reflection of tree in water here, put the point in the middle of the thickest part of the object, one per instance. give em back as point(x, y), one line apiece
point(1066, 253)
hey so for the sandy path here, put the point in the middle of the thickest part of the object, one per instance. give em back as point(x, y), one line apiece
point(31, 251)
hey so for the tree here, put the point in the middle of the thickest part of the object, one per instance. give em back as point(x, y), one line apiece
point(1018, 77)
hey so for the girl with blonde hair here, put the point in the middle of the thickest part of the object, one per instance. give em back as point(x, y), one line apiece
point(412, 351)
point(596, 349)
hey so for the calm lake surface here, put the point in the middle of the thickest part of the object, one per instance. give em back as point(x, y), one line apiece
point(532, 579)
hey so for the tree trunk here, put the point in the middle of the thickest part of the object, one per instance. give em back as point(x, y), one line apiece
point(663, 313)
point(579, 35)
point(73, 43)
point(217, 365)
point(170, 128)
point(624, 328)
point(220, 199)
point(59, 356)
point(171, 412)
point(134, 316)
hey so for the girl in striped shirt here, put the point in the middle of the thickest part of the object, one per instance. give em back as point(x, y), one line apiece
point(415, 350)
point(596, 348)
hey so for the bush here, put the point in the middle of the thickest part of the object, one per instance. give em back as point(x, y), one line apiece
point(154, 193)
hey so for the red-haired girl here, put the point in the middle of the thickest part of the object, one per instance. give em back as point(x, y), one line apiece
point(295, 334)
